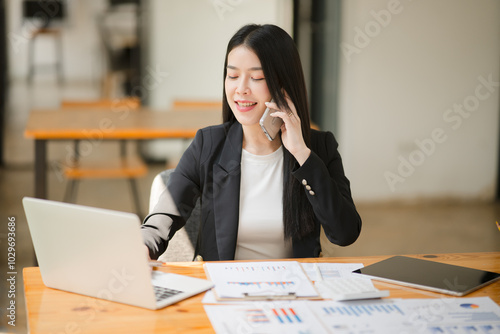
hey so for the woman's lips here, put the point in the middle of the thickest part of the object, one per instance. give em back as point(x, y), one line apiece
point(245, 105)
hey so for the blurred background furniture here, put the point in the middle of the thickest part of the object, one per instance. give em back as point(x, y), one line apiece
point(55, 33)
point(180, 104)
point(126, 164)
point(3, 77)
point(45, 20)
point(44, 125)
point(119, 29)
point(191, 105)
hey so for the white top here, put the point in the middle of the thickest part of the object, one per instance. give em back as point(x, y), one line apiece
point(260, 230)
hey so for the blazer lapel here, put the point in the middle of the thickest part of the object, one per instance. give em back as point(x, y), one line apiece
point(226, 178)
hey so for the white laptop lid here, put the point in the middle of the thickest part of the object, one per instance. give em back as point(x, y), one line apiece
point(95, 252)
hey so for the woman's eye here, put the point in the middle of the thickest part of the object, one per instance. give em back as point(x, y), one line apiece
point(232, 77)
point(257, 79)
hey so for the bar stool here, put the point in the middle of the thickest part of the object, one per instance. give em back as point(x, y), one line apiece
point(56, 34)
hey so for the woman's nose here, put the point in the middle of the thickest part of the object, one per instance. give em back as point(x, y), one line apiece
point(242, 87)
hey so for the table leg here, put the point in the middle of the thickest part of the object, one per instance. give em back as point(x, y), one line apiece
point(40, 174)
point(40, 168)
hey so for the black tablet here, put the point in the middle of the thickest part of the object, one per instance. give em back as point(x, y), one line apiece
point(429, 275)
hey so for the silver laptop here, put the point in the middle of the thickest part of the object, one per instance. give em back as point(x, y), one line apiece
point(100, 253)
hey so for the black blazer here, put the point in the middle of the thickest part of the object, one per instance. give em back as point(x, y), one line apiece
point(210, 169)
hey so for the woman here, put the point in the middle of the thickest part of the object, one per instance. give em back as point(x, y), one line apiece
point(260, 199)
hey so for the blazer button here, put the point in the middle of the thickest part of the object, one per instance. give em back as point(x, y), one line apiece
point(304, 182)
point(312, 193)
point(198, 258)
point(308, 187)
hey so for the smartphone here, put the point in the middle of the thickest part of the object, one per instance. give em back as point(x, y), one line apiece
point(269, 124)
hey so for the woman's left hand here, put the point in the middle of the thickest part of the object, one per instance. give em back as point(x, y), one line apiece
point(291, 131)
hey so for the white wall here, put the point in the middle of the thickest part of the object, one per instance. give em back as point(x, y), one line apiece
point(402, 77)
point(188, 40)
point(187, 45)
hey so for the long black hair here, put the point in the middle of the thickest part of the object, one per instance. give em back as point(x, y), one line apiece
point(283, 73)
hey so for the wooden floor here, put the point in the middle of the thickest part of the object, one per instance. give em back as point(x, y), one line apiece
point(387, 229)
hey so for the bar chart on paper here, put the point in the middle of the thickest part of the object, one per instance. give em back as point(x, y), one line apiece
point(359, 316)
point(286, 315)
point(435, 316)
point(362, 310)
point(264, 317)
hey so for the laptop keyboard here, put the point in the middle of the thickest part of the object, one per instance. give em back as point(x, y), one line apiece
point(162, 293)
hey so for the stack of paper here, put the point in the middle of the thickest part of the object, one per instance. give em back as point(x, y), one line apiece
point(266, 281)
point(387, 316)
point(260, 280)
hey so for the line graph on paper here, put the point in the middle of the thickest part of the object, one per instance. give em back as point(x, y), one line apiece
point(260, 285)
point(271, 278)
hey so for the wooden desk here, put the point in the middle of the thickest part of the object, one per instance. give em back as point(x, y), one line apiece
point(53, 311)
point(96, 125)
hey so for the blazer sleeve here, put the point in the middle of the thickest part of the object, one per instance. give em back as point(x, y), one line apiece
point(158, 227)
point(176, 203)
point(328, 190)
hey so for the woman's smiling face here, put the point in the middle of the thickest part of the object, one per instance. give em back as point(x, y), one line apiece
point(245, 86)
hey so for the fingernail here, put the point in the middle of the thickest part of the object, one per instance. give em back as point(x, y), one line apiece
point(266, 103)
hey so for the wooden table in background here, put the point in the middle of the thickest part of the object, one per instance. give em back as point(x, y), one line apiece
point(54, 311)
point(96, 125)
